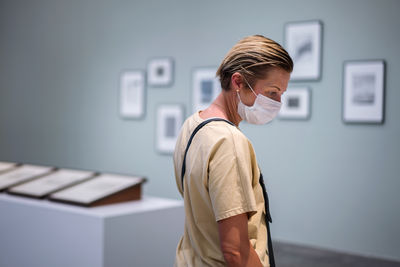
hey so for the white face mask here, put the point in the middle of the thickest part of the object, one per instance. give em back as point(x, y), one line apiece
point(263, 110)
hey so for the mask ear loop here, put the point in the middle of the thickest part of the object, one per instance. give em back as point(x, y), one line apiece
point(237, 92)
point(250, 87)
point(248, 82)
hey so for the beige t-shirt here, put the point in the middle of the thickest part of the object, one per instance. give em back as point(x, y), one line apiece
point(221, 180)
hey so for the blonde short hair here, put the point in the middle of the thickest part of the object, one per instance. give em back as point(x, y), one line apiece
point(252, 57)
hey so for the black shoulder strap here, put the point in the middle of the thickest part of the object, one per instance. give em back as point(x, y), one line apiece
point(268, 220)
point(190, 141)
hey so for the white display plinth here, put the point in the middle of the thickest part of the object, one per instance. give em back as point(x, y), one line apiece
point(42, 233)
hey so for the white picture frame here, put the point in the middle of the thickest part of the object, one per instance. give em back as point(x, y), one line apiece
point(303, 42)
point(132, 94)
point(296, 102)
point(160, 72)
point(206, 87)
point(363, 91)
point(169, 121)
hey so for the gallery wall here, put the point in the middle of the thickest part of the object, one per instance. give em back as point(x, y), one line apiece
point(331, 184)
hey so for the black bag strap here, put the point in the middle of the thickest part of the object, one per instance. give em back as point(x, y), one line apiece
point(268, 218)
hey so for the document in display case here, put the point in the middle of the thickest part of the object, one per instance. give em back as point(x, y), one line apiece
point(101, 190)
point(7, 166)
point(58, 180)
point(22, 174)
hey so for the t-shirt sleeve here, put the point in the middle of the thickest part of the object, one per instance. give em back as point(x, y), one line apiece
point(230, 177)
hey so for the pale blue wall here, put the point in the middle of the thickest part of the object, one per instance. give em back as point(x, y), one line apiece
point(331, 185)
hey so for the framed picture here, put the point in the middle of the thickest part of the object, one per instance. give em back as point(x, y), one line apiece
point(295, 104)
point(160, 72)
point(23, 174)
point(169, 121)
point(102, 189)
point(363, 91)
point(206, 87)
point(303, 41)
point(51, 183)
point(132, 94)
point(7, 166)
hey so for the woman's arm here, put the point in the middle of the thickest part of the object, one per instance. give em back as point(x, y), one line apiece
point(235, 243)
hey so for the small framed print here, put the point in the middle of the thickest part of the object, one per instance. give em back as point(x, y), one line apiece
point(101, 190)
point(22, 174)
point(57, 180)
point(169, 121)
point(296, 104)
point(303, 41)
point(206, 87)
point(7, 166)
point(132, 94)
point(160, 72)
point(363, 91)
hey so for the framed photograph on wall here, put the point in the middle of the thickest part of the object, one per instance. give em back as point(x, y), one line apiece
point(132, 94)
point(206, 87)
point(363, 91)
point(169, 121)
point(303, 41)
point(296, 104)
point(160, 72)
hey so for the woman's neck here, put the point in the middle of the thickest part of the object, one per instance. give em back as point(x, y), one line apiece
point(224, 106)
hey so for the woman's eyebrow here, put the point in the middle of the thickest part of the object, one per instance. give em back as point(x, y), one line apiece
point(276, 87)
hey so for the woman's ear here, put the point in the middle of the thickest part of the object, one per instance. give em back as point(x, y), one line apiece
point(236, 81)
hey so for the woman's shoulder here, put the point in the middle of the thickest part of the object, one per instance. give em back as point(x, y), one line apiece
point(214, 130)
point(217, 131)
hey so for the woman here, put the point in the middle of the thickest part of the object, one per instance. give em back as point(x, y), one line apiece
point(225, 222)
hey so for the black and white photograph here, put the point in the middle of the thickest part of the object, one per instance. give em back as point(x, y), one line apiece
point(132, 94)
point(296, 104)
point(363, 91)
point(206, 87)
point(303, 41)
point(169, 120)
point(160, 72)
